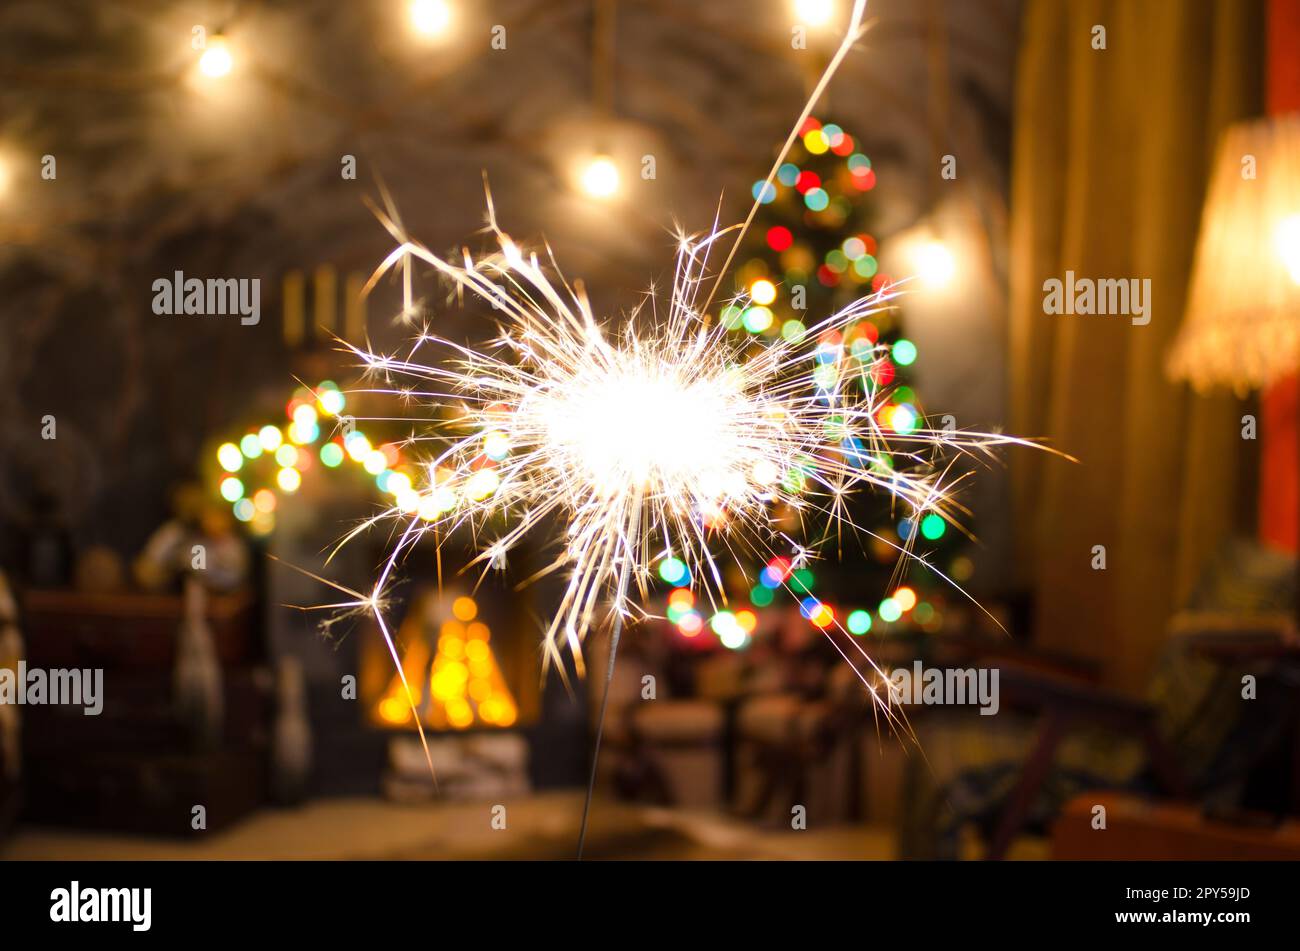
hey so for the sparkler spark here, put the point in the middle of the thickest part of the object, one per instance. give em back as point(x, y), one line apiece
point(656, 435)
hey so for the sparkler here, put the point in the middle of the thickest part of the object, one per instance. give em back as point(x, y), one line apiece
point(654, 436)
point(646, 443)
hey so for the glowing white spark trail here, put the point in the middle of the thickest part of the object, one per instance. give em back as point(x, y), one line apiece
point(656, 434)
point(659, 435)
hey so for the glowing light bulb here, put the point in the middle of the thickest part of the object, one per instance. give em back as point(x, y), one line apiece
point(231, 489)
point(430, 17)
point(814, 12)
point(935, 264)
point(482, 484)
point(331, 402)
point(288, 479)
point(1287, 241)
point(496, 445)
point(762, 292)
point(270, 437)
point(906, 598)
point(304, 414)
point(216, 60)
point(600, 177)
point(230, 457)
point(464, 609)
point(357, 445)
point(331, 454)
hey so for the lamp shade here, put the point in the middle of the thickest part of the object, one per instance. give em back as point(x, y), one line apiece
point(1242, 325)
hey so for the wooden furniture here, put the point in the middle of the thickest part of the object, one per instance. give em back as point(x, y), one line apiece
point(1272, 640)
point(1066, 705)
point(670, 751)
point(793, 750)
point(130, 630)
point(1142, 830)
point(137, 767)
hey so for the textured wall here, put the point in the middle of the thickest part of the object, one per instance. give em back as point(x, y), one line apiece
point(155, 175)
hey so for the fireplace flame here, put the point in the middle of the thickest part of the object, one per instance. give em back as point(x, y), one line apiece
point(452, 671)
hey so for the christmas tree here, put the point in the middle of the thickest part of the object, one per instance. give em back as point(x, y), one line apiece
point(809, 253)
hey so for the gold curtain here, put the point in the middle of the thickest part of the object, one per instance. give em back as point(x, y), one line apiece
point(1112, 150)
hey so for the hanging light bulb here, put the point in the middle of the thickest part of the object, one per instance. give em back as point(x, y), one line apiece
point(216, 60)
point(430, 17)
point(814, 12)
point(935, 264)
point(600, 177)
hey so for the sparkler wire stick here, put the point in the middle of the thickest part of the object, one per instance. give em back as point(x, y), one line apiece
point(600, 720)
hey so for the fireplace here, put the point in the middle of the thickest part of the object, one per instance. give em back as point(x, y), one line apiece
point(469, 661)
point(450, 666)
